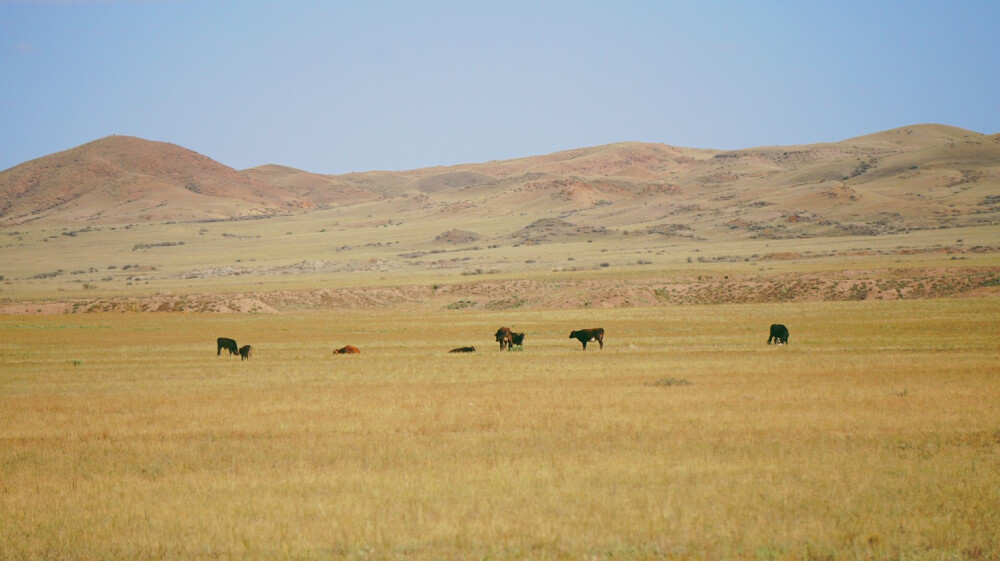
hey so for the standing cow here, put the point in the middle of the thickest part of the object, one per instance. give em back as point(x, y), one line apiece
point(245, 352)
point(228, 344)
point(779, 334)
point(504, 337)
point(586, 335)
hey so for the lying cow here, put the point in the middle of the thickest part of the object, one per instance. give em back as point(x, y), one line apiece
point(348, 350)
point(463, 350)
point(245, 352)
point(779, 334)
point(228, 344)
point(586, 335)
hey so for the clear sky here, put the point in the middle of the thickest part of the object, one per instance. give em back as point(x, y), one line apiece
point(335, 87)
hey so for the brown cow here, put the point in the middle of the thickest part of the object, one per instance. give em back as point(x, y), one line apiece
point(245, 352)
point(348, 350)
point(504, 337)
point(585, 335)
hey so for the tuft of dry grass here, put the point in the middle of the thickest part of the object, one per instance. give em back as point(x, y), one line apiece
point(874, 434)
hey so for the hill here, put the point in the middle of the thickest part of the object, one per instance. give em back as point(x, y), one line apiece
point(120, 179)
point(925, 176)
point(907, 213)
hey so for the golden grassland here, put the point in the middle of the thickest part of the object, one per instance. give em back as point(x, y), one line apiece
point(874, 434)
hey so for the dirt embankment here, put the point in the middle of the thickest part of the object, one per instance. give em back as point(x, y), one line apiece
point(562, 294)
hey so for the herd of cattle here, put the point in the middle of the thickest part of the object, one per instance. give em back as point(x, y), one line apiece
point(507, 339)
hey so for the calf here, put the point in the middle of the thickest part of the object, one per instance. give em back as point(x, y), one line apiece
point(463, 350)
point(245, 352)
point(348, 350)
point(517, 339)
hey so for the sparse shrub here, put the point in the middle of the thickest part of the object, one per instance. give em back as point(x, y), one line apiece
point(669, 382)
point(139, 246)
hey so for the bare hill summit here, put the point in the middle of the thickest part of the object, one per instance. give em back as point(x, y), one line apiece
point(126, 179)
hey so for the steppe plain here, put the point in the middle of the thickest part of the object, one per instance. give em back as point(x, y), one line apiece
point(874, 434)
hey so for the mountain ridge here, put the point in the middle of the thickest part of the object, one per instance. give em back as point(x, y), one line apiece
point(919, 176)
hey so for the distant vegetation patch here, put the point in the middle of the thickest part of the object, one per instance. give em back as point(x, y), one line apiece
point(669, 382)
point(545, 229)
point(140, 246)
point(480, 271)
point(457, 236)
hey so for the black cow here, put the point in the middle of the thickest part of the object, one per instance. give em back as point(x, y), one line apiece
point(245, 352)
point(585, 335)
point(779, 334)
point(228, 344)
point(504, 337)
point(463, 350)
point(517, 339)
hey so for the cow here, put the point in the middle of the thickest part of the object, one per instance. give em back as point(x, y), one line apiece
point(517, 339)
point(245, 352)
point(585, 335)
point(228, 344)
point(504, 337)
point(463, 350)
point(348, 350)
point(779, 334)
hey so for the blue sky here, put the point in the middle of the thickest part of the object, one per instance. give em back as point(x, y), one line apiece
point(335, 87)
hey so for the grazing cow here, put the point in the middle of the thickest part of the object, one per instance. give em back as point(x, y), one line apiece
point(504, 337)
point(516, 339)
point(348, 350)
point(245, 352)
point(585, 335)
point(779, 334)
point(228, 344)
point(463, 350)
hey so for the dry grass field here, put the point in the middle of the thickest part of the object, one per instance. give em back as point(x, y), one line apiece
point(874, 435)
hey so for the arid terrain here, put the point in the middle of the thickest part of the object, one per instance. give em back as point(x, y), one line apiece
point(874, 434)
point(123, 223)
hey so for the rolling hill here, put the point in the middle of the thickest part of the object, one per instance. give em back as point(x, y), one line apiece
point(918, 177)
point(120, 179)
point(123, 224)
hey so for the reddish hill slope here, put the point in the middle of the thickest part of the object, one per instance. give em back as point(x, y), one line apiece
point(120, 178)
point(923, 176)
